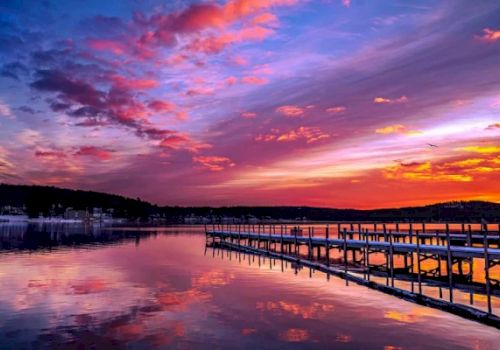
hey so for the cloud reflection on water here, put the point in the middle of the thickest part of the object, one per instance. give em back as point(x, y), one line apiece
point(165, 292)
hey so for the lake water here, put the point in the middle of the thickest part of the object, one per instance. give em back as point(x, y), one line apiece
point(77, 287)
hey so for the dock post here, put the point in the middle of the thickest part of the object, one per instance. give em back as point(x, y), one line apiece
point(258, 236)
point(269, 245)
point(295, 231)
point(345, 256)
point(239, 235)
point(487, 271)
point(498, 244)
point(281, 242)
point(327, 245)
point(367, 255)
point(449, 265)
point(419, 277)
point(391, 257)
point(470, 278)
point(310, 253)
point(359, 231)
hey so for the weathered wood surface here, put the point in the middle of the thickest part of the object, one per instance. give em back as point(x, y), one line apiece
point(397, 247)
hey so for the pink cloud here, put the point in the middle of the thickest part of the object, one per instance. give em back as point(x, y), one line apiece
point(253, 80)
point(291, 111)
point(263, 69)
point(177, 141)
point(240, 61)
point(95, 152)
point(214, 163)
point(383, 100)
point(265, 18)
point(181, 115)
point(396, 129)
point(113, 46)
point(161, 106)
point(336, 109)
point(248, 115)
point(489, 35)
point(231, 80)
point(309, 134)
point(176, 59)
point(212, 44)
point(133, 84)
point(198, 17)
point(174, 141)
point(50, 154)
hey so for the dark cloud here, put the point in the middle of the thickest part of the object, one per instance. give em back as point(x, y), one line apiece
point(13, 70)
point(104, 26)
point(57, 106)
point(79, 99)
point(87, 111)
point(27, 109)
point(10, 42)
point(50, 57)
point(69, 89)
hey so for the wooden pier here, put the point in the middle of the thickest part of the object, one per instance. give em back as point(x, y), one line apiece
point(384, 250)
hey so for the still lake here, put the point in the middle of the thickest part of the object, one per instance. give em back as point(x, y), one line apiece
point(92, 287)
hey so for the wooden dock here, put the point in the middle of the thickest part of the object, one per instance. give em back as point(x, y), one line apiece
point(457, 249)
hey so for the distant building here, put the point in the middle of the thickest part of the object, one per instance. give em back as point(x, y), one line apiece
point(71, 214)
point(10, 210)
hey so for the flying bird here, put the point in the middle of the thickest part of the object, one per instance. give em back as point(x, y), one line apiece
point(432, 145)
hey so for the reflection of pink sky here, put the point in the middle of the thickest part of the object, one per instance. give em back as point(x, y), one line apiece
point(179, 294)
point(255, 102)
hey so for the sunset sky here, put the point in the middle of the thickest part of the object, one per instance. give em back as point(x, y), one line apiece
point(326, 103)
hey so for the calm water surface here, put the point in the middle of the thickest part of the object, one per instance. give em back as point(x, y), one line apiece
point(75, 287)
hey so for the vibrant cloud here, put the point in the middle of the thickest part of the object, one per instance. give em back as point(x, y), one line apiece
point(108, 45)
point(214, 163)
point(396, 129)
point(50, 154)
point(481, 149)
point(490, 35)
point(94, 152)
point(248, 115)
point(336, 109)
point(291, 111)
point(423, 172)
point(133, 84)
point(309, 134)
point(253, 80)
point(383, 100)
point(161, 106)
point(231, 80)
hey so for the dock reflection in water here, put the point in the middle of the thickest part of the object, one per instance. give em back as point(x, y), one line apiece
point(155, 288)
